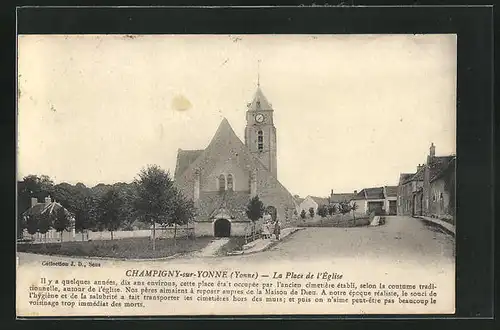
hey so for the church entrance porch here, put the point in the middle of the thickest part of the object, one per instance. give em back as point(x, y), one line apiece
point(222, 228)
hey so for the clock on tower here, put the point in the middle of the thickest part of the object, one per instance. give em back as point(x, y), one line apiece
point(260, 133)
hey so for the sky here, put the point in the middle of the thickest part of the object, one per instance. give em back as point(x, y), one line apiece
point(351, 111)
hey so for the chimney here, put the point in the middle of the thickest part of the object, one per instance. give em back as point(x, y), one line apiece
point(196, 193)
point(419, 167)
point(253, 183)
point(331, 193)
point(355, 192)
point(48, 200)
point(34, 201)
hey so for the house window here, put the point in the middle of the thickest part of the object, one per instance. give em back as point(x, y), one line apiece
point(441, 196)
point(260, 141)
point(230, 182)
point(222, 182)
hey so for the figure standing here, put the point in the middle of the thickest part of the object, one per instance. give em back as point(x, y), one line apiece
point(277, 229)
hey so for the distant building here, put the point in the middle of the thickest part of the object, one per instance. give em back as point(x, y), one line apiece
point(314, 202)
point(370, 200)
point(336, 198)
point(50, 207)
point(222, 178)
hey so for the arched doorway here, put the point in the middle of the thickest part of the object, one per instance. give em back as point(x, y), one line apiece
point(222, 228)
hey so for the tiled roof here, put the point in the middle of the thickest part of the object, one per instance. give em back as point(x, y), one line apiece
point(320, 200)
point(419, 176)
point(41, 208)
point(370, 193)
point(337, 198)
point(374, 193)
point(259, 102)
point(440, 165)
point(184, 159)
point(391, 191)
point(234, 202)
point(405, 177)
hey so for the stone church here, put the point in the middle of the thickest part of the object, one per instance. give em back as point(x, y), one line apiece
point(223, 177)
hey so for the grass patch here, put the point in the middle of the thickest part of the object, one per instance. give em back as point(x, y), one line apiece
point(127, 248)
point(336, 220)
point(235, 244)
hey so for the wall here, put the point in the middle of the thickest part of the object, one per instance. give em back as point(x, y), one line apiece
point(53, 236)
point(387, 203)
point(106, 235)
point(241, 177)
point(168, 232)
point(362, 206)
point(272, 192)
point(405, 196)
point(439, 206)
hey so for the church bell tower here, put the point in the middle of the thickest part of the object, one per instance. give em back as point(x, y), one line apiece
point(260, 133)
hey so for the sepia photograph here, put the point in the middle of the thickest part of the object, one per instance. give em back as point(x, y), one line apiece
point(236, 174)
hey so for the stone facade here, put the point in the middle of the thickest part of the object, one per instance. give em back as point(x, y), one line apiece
point(431, 190)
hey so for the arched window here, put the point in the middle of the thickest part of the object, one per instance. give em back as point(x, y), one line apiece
point(230, 182)
point(260, 140)
point(222, 182)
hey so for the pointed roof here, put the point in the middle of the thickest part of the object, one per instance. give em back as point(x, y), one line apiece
point(224, 139)
point(184, 159)
point(259, 102)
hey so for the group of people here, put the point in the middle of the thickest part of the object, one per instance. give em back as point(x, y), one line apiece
point(270, 227)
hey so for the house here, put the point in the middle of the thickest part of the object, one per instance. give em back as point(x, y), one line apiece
point(391, 198)
point(370, 200)
point(438, 191)
point(222, 178)
point(381, 200)
point(298, 200)
point(336, 198)
point(409, 192)
point(314, 202)
point(430, 190)
point(50, 208)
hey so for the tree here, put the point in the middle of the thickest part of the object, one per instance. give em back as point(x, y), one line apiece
point(344, 208)
point(255, 211)
point(44, 224)
point(32, 186)
point(109, 211)
point(322, 211)
point(85, 214)
point(332, 208)
point(32, 224)
point(61, 221)
point(354, 207)
point(183, 211)
point(303, 214)
point(311, 212)
point(155, 198)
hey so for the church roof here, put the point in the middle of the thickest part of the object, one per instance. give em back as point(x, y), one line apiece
point(259, 102)
point(233, 202)
point(184, 159)
point(224, 139)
